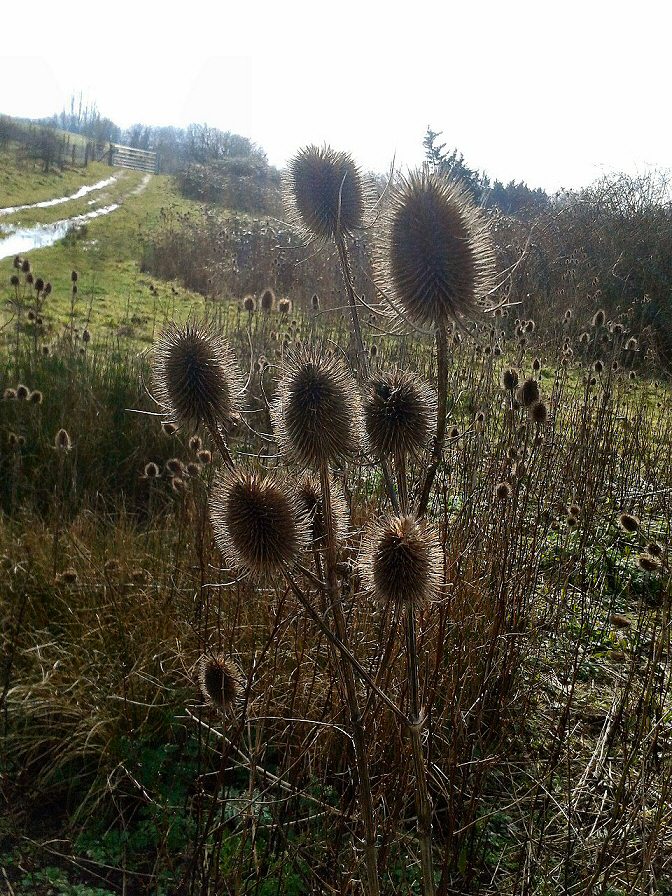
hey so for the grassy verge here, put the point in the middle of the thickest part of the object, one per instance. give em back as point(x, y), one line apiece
point(25, 182)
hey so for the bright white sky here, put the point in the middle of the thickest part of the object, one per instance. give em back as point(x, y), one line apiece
point(553, 93)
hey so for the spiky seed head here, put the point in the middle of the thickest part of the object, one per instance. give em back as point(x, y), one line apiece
point(617, 329)
point(309, 495)
point(285, 306)
point(599, 318)
point(39, 284)
point(655, 549)
point(648, 563)
point(400, 561)
point(584, 338)
point(192, 468)
point(62, 441)
point(9, 394)
point(195, 444)
point(174, 466)
point(267, 299)
point(151, 471)
point(169, 428)
point(536, 365)
point(35, 397)
point(509, 379)
point(178, 485)
point(632, 345)
point(250, 304)
point(502, 491)
point(25, 266)
point(86, 336)
point(530, 326)
point(632, 375)
point(220, 682)
point(22, 392)
point(435, 257)
point(572, 522)
point(538, 412)
point(196, 379)
point(74, 276)
point(315, 302)
point(14, 280)
point(17, 262)
point(317, 414)
point(574, 510)
point(204, 456)
point(628, 522)
point(399, 412)
point(258, 522)
point(68, 577)
point(325, 193)
point(47, 289)
point(598, 366)
point(529, 392)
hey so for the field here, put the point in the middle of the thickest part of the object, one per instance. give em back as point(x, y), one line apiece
point(381, 615)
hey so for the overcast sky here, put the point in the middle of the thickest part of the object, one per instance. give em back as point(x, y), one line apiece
point(551, 93)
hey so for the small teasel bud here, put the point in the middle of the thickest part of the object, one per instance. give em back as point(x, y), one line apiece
point(401, 561)
point(9, 394)
point(400, 412)
point(598, 366)
point(25, 266)
point(538, 412)
point(315, 302)
point(35, 397)
point(22, 392)
point(655, 549)
point(529, 392)
point(628, 522)
point(14, 280)
point(39, 284)
point(62, 441)
point(192, 468)
point(112, 567)
point(509, 379)
point(68, 577)
point(599, 318)
point(86, 336)
point(285, 306)
point(195, 444)
point(204, 456)
point(151, 471)
point(258, 522)
point(220, 682)
point(249, 304)
point(647, 563)
point(317, 414)
point(169, 428)
point(178, 485)
point(502, 491)
point(29, 279)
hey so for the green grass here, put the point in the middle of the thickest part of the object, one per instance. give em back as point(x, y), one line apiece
point(22, 183)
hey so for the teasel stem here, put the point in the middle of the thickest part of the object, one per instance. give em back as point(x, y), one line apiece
point(402, 484)
point(347, 674)
point(220, 442)
point(423, 801)
point(362, 359)
point(442, 375)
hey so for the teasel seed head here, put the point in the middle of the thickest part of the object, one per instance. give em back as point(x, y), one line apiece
point(317, 414)
point(655, 549)
point(249, 304)
point(502, 491)
point(529, 392)
point(648, 563)
point(628, 522)
point(325, 193)
point(22, 392)
point(435, 257)
point(598, 366)
point(151, 471)
point(62, 441)
point(285, 306)
point(220, 682)
point(267, 299)
point(400, 561)
point(509, 379)
point(174, 466)
point(14, 280)
point(35, 397)
point(9, 394)
point(598, 318)
point(258, 522)
point(399, 412)
point(68, 577)
point(204, 456)
point(538, 412)
point(196, 379)
point(309, 495)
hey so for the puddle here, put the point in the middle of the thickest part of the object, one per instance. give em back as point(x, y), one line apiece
point(48, 203)
point(18, 241)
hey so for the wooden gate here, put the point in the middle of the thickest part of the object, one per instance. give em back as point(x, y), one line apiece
point(128, 157)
